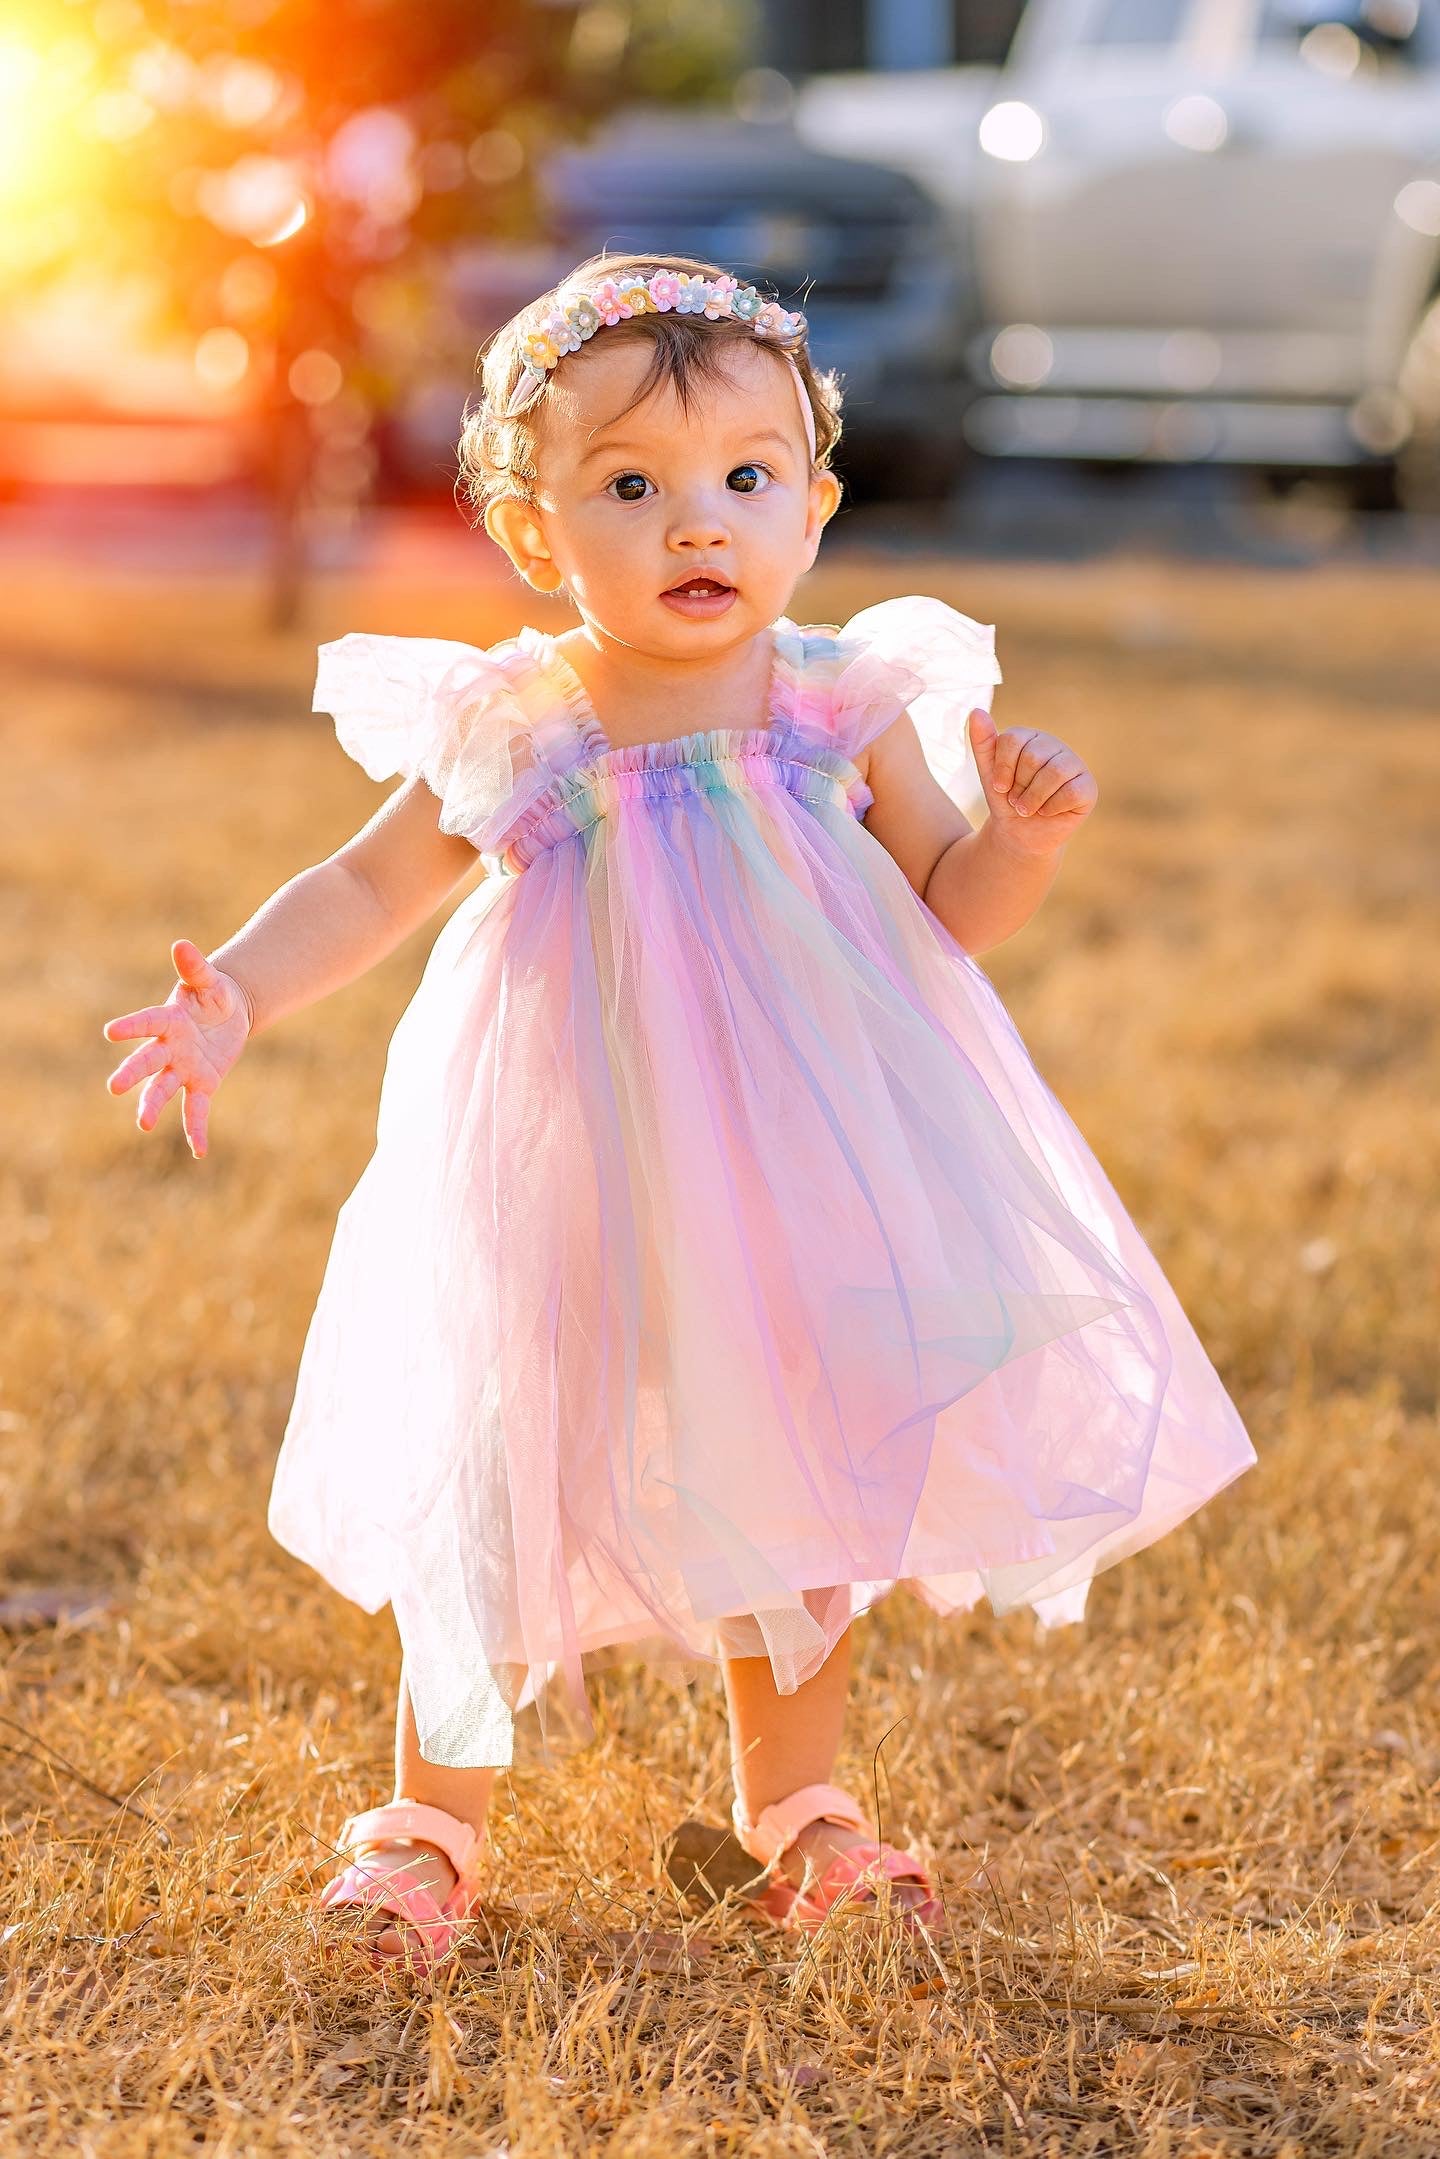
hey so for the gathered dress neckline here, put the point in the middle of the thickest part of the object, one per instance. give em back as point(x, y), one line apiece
point(543, 648)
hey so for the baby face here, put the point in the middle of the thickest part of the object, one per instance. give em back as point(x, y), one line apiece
point(677, 534)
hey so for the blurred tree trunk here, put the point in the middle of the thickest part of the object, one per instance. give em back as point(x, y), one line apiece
point(287, 454)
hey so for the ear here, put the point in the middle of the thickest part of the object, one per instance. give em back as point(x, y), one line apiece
point(824, 502)
point(515, 526)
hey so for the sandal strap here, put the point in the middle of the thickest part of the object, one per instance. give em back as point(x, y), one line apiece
point(863, 1861)
point(403, 1818)
point(852, 1876)
point(399, 1892)
point(431, 1930)
point(780, 1824)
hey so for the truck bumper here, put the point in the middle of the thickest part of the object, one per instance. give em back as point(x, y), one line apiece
point(1191, 430)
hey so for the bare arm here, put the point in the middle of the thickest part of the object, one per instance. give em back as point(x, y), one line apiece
point(983, 885)
point(336, 920)
point(325, 927)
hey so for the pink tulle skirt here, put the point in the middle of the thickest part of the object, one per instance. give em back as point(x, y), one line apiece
point(723, 1262)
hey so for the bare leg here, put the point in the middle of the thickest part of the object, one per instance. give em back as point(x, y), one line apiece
point(464, 1793)
point(781, 1742)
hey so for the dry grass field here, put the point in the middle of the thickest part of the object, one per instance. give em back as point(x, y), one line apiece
point(1210, 1818)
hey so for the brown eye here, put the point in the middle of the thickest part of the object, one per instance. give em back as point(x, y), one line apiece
point(748, 480)
point(629, 487)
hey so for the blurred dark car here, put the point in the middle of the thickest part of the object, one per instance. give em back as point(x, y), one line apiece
point(860, 247)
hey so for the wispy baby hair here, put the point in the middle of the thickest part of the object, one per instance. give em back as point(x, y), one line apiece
point(497, 450)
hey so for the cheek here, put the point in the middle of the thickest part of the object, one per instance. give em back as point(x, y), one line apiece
point(597, 543)
point(778, 524)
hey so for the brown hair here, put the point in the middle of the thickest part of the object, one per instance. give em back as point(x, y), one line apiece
point(497, 456)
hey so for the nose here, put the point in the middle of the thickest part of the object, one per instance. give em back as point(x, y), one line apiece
point(698, 521)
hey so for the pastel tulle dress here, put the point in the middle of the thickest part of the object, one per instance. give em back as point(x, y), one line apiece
point(723, 1260)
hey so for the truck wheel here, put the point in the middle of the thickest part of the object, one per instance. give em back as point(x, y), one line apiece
point(1373, 487)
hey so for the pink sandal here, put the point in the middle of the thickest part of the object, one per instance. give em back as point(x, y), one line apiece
point(432, 1928)
point(850, 1880)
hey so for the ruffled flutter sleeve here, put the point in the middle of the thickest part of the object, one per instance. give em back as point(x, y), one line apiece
point(426, 708)
point(918, 656)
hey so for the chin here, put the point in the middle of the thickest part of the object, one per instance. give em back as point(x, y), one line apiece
point(742, 619)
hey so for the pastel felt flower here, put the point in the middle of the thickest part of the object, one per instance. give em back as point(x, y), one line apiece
point(722, 292)
point(635, 294)
point(694, 296)
point(562, 335)
point(746, 303)
point(772, 320)
point(538, 352)
point(664, 291)
point(584, 316)
point(609, 302)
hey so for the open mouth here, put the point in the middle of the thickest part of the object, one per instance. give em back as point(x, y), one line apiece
point(705, 593)
point(704, 587)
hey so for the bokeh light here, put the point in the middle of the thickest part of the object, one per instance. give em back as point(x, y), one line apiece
point(221, 359)
point(316, 377)
point(259, 198)
point(1012, 131)
point(1418, 206)
point(1197, 121)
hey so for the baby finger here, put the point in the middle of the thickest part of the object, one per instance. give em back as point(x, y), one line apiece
point(153, 1020)
point(1076, 793)
point(1032, 785)
point(139, 1065)
point(195, 1119)
point(1010, 748)
point(158, 1092)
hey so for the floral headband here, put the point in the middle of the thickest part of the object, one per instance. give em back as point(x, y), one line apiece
point(579, 313)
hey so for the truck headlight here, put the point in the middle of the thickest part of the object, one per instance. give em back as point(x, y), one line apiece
point(1013, 131)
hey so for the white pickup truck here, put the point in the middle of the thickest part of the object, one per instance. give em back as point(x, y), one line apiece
point(1199, 229)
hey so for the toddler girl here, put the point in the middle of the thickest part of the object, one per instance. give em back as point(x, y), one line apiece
point(723, 1261)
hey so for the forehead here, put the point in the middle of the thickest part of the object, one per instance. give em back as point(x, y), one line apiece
point(591, 388)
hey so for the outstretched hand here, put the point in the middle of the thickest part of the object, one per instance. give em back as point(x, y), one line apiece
point(191, 1042)
point(1037, 789)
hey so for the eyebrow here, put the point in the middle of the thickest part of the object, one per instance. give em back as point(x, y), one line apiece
point(604, 448)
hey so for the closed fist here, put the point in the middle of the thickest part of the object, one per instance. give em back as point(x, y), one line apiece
point(1037, 789)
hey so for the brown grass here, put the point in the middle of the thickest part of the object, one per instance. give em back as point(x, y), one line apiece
point(1209, 1817)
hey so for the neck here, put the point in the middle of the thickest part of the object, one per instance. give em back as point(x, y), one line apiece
point(647, 697)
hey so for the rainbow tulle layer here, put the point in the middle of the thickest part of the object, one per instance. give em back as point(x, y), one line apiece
point(723, 1260)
